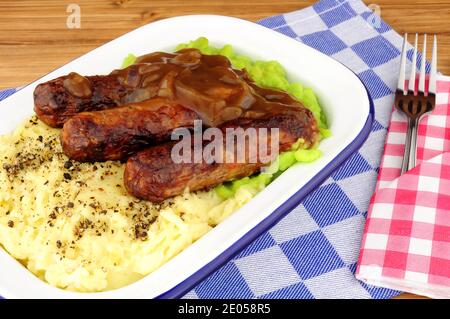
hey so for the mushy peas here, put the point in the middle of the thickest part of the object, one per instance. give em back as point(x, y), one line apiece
point(75, 226)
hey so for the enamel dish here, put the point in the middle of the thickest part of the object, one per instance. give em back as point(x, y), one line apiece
point(343, 96)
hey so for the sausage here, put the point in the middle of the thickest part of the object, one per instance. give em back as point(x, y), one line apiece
point(117, 133)
point(204, 83)
point(56, 101)
point(153, 175)
point(54, 104)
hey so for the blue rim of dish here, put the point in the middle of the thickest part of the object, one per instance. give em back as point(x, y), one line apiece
point(189, 283)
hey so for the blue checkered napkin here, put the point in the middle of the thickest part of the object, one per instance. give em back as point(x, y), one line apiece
point(312, 252)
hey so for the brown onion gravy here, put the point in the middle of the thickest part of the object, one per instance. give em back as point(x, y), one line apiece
point(207, 84)
point(78, 85)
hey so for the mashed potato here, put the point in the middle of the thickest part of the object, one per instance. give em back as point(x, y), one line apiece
point(75, 226)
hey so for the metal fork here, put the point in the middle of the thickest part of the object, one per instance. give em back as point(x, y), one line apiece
point(415, 104)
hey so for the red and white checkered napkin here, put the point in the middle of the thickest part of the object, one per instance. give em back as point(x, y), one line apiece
point(406, 242)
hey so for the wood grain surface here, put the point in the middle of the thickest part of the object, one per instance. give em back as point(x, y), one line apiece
point(34, 38)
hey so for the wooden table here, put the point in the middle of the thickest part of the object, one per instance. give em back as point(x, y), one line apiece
point(34, 38)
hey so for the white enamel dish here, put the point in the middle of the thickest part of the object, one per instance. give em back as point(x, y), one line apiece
point(346, 101)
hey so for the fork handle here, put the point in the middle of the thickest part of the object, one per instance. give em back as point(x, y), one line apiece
point(406, 153)
point(413, 149)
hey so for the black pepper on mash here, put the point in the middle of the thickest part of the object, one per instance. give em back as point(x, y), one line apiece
point(76, 227)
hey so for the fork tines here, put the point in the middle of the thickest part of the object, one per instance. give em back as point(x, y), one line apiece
point(414, 104)
point(412, 78)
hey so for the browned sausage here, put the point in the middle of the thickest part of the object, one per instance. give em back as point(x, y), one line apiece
point(117, 133)
point(204, 83)
point(54, 104)
point(152, 174)
point(58, 100)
